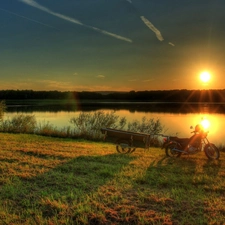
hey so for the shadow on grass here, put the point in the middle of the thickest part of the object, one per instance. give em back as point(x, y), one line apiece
point(42, 155)
point(69, 182)
point(181, 187)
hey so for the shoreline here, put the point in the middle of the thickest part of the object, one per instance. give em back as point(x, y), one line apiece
point(87, 105)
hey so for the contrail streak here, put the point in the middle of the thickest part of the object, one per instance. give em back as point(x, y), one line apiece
point(170, 43)
point(152, 27)
point(72, 20)
point(35, 21)
point(147, 23)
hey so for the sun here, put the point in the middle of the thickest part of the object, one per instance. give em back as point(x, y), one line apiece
point(205, 76)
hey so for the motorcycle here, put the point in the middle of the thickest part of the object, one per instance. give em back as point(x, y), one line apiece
point(175, 146)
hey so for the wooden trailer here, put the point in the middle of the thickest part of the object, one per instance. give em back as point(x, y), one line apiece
point(127, 142)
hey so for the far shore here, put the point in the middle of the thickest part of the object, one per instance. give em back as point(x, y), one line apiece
point(74, 104)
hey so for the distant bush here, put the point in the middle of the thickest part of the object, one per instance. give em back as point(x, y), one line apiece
point(88, 125)
point(85, 125)
point(149, 126)
point(47, 129)
point(19, 124)
point(2, 109)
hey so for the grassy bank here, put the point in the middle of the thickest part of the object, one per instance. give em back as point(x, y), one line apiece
point(52, 181)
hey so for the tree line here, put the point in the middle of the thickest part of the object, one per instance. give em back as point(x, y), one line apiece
point(148, 96)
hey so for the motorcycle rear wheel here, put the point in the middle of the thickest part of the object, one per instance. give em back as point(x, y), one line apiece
point(170, 152)
point(211, 151)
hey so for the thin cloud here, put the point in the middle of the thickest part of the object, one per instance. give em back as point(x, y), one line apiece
point(51, 85)
point(101, 76)
point(38, 85)
point(35, 21)
point(72, 20)
point(149, 24)
point(170, 43)
point(152, 27)
point(110, 34)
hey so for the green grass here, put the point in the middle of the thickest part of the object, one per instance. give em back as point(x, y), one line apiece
point(55, 181)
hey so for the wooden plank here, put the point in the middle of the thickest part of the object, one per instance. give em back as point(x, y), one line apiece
point(115, 132)
point(136, 139)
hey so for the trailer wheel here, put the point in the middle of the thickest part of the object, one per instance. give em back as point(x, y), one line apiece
point(124, 146)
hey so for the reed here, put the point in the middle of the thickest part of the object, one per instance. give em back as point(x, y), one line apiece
point(2, 109)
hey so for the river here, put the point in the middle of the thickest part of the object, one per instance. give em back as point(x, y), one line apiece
point(176, 119)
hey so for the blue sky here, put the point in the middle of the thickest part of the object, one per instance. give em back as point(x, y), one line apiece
point(119, 45)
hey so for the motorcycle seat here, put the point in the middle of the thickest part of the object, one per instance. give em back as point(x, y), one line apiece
point(179, 139)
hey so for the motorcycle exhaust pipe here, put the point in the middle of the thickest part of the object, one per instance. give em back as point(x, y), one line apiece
point(178, 150)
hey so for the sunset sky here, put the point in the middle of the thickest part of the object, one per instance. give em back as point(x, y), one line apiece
point(111, 45)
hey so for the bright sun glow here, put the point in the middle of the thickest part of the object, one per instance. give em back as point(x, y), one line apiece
point(205, 123)
point(205, 76)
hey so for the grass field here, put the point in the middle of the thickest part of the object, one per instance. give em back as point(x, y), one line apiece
point(55, 181)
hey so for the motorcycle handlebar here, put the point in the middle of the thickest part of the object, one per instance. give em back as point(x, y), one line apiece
point(200, 132)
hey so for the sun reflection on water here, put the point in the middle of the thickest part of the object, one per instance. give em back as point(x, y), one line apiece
point(205, 123)
point(211, 123)
point(174, 124)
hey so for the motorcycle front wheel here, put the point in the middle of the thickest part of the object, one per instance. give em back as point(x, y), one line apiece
point(171, 152)
point(211, 151)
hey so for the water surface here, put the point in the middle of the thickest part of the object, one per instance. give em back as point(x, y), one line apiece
point(176, 118)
